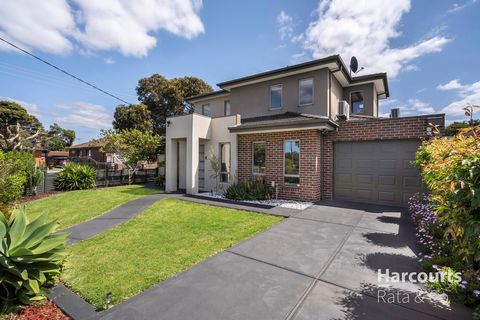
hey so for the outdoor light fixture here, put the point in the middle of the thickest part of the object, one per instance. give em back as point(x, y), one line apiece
point(169, 123)
point(108, 299)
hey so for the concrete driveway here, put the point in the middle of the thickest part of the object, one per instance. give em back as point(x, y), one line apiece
point(321, 263)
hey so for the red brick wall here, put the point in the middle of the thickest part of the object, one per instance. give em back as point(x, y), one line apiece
point(309, 188)
point(373, 129)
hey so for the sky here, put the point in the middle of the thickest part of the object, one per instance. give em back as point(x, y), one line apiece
point(429, 49)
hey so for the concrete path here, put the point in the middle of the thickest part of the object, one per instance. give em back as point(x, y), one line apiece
point(321, 263)
point(112, 218)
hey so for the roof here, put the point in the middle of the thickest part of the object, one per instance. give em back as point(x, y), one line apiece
point(57, 154)
point(89, 144)
point(207, 95)
point(287, 120)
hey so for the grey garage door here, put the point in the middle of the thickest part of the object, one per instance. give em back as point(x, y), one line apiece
point(376, 171)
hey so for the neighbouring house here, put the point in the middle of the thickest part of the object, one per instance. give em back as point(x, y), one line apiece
point(311, 129)
point(90, 152)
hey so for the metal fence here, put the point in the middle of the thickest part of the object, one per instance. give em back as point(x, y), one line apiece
point(105, 178)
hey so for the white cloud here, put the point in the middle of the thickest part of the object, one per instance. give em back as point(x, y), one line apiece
point(55, 26)
point(109, 61)
point(416, 106)
point(285, 25)
point(459, 7)
point(452, 85)
point(32, 108)
point(84, 115)
point(365, 30)
point(467, 94)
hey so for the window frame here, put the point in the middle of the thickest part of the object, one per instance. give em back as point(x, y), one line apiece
point(300, 104)
point(221, 144)
point(253, 158)
point(351, 104)
point(203, 110)
point(270, 96)
point(287, 184)
point(225, 108)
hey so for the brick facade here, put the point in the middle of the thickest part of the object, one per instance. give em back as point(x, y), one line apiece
point(312, 163)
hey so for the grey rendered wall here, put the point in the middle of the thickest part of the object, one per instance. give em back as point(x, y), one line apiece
point(254, 100)
point(336, 96)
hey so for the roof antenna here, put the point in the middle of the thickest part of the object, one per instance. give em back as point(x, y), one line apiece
point(354, 66)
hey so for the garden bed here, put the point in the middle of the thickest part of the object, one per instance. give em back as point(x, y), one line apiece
point(43, 311)
point(290, 204)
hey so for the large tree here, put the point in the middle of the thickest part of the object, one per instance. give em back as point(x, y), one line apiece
point(166, 97)
point(19, 130)
point(134, 116)
point(59, 138)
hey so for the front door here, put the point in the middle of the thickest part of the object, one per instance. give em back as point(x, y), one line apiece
point(201, 167)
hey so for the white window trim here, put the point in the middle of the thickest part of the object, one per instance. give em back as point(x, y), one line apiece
point(313, 93)
point(230, 159)
point(351, 105)
point(270, 96)
point(253, 157)
point(292, 185)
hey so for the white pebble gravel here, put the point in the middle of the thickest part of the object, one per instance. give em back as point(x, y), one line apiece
point(290, 204)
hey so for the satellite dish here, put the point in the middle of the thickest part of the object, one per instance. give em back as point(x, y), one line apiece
point(353, 64)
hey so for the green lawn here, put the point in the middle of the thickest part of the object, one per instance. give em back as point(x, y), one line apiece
point(71, 208)
point(167, 238)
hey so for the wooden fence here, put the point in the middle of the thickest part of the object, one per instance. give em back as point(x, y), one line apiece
point(105, 178)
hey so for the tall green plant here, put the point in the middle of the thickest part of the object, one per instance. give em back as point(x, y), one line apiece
point(76, 176)
point(12, 181)
point(451, 169)
point(31, 254)
point(34, 176)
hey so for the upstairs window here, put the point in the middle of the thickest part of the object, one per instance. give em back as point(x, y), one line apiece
point(226, 108)
point(291, 162)
point(225, 161)
point(356, 101)
point(206, 110)
point(276, 96)
point(259, 156)
point(305, 92)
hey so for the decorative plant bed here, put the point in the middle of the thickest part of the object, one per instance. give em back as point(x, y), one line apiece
point(290, 204)
point(44, 311)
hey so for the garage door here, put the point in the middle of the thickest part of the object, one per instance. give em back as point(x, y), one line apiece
point(376, 171)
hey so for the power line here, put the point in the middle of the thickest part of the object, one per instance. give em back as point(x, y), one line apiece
point(63, 71)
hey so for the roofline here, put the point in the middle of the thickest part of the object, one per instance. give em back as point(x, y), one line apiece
point(302, 65)
point(207, 95)
point(297, 125)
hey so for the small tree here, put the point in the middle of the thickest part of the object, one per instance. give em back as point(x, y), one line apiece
point(216, 167)
point(133, 147)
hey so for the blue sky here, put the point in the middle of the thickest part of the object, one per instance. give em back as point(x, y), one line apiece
point(429, 49)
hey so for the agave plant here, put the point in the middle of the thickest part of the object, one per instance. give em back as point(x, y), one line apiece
point(76, 177)
point(31, 254)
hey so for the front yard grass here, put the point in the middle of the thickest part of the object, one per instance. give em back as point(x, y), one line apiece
point(74, 207)
point(169, 237)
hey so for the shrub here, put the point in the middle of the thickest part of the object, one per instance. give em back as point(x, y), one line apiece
point(31, 256)
point(451, 169)
point(33, 176)
point(12, 180)
point(247, 191)
point(76, 177)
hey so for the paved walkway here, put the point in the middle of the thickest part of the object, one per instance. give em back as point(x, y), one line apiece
point(319, 264)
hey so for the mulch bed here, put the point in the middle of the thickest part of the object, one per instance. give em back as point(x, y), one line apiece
point(46, 311)
point(36, 197)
